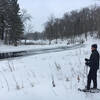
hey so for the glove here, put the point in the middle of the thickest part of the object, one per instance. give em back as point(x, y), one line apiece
point(87, 63)
point(86, 59)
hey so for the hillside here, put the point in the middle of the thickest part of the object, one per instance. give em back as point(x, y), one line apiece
point(33, 77)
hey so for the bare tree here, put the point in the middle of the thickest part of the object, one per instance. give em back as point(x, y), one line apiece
point(74, 24)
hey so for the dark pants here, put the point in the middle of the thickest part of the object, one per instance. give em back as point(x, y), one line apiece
point(92, 76)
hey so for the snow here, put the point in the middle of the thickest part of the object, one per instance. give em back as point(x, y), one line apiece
point(30, 78)
point(38, 45)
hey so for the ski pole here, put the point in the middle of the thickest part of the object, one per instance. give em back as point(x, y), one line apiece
point(86, 71)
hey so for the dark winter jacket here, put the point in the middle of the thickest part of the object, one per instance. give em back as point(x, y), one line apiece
point(93, 62)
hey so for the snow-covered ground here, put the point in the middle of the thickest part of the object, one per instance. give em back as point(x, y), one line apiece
point(37, 45)
point(33, 77)
point(9, 48)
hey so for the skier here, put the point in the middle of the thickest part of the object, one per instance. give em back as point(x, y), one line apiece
point(93, 63)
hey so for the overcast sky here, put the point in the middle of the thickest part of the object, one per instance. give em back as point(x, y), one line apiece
point(40, 10)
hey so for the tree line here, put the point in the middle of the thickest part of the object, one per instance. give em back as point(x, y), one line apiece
point(74, 24)
point(11, 25)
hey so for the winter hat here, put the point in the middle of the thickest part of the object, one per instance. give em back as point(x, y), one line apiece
point(94, 46)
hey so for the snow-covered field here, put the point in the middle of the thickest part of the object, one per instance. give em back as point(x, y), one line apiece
point(38, 45)
point(33, 77)
point(6, 48)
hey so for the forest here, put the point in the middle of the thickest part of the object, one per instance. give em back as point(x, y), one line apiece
point(74, 24)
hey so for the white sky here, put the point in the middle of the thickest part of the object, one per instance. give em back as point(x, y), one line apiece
point(40, 10)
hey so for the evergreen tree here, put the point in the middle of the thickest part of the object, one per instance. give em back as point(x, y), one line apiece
point(3, 12)
point(11, 25)
point(16, 24)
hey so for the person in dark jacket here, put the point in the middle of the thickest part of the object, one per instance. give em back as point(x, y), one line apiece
point(93, 63)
